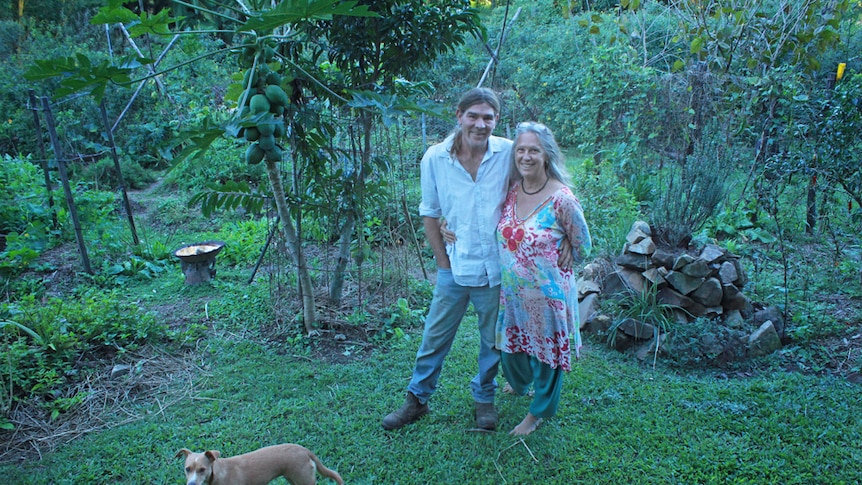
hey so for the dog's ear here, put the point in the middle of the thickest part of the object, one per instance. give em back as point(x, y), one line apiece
point(185, 452)
point(213, 455)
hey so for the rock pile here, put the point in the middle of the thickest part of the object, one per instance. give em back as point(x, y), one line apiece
point(707, 285)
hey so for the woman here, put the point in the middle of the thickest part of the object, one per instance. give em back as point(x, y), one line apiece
point(538, 323)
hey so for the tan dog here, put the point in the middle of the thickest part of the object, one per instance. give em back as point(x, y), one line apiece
point(295, 463)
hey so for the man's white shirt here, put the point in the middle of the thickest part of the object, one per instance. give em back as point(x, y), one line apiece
point(470, 207)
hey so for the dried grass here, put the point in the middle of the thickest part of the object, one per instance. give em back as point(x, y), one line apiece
point(154, 378)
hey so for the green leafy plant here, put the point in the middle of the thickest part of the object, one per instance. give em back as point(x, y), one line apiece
point(690, 194)
point(609, 207)
point(103, 174)
point(24, 198)
point(136, 266)
point(229, 196)
point(44, 340)
point(401, 316)
point(642, 307)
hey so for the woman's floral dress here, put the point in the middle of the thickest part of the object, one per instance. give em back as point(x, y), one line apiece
point(538, 299)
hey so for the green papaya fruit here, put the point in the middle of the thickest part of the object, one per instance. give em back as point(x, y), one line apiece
point(266, 129)
point(274, 155)
point(266, 142)
point(276, 95)
point(250, 78)
point(254, 154)
point(252, 133)
point(246, 57)
point(273, 78)
point(259, 104)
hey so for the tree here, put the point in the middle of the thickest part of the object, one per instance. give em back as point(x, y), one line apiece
point(744, 62)
point(371, 53)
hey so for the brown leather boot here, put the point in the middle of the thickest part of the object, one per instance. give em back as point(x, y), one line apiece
point(411, 411)
point(486, 416)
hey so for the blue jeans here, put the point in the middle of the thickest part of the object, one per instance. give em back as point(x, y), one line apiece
point(447, 310)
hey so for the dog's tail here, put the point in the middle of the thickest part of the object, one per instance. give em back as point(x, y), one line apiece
point(326, 472)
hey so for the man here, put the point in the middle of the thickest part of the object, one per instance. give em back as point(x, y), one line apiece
point(464, 181)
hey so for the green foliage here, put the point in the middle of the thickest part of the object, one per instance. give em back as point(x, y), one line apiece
point(812, 322)
point(642, 307)
point(103, 173)
point(403, 35)
point(704, 344)
point(47, 12)
point(21, 250)
point(80, 74)
point(751, 35)
point(46, 338)
point(837, 131)
point(133, 267)
point(23, 200)
point(404, 316)
point(244, 241)
point(690, 195)
point(229, 196)
point(609, 208)
point(222, 165)
point(25, 220)
point(12, 35)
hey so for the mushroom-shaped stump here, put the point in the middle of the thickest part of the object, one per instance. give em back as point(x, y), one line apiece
point(198, 261)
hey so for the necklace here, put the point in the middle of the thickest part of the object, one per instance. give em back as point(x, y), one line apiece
point(536, 192)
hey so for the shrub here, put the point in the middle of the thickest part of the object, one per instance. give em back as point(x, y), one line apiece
point(691, 193)
point(44, 341)
point(610, 209)
point(104, 174)
point(22, 199)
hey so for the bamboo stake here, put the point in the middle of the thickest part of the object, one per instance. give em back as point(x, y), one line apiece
point(122, 180)
point(44, 158)
point(70, 202)
point(497, 50)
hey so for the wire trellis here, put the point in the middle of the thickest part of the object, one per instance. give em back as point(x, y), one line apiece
point(373, 284)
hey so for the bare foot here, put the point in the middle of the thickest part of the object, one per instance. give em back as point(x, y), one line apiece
point(527, 426)
point(507, 388)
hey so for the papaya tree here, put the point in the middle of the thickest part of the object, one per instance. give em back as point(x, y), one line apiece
point(259, 30)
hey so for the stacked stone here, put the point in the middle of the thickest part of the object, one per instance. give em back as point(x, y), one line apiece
point(708, 285)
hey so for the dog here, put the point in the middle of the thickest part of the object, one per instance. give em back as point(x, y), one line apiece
point(294, 462)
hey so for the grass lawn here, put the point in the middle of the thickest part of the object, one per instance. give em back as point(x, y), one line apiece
point(619, 422)
point(243, 386)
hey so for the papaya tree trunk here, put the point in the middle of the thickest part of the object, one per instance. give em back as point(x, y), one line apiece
point(306, 288)
point(337, 286)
